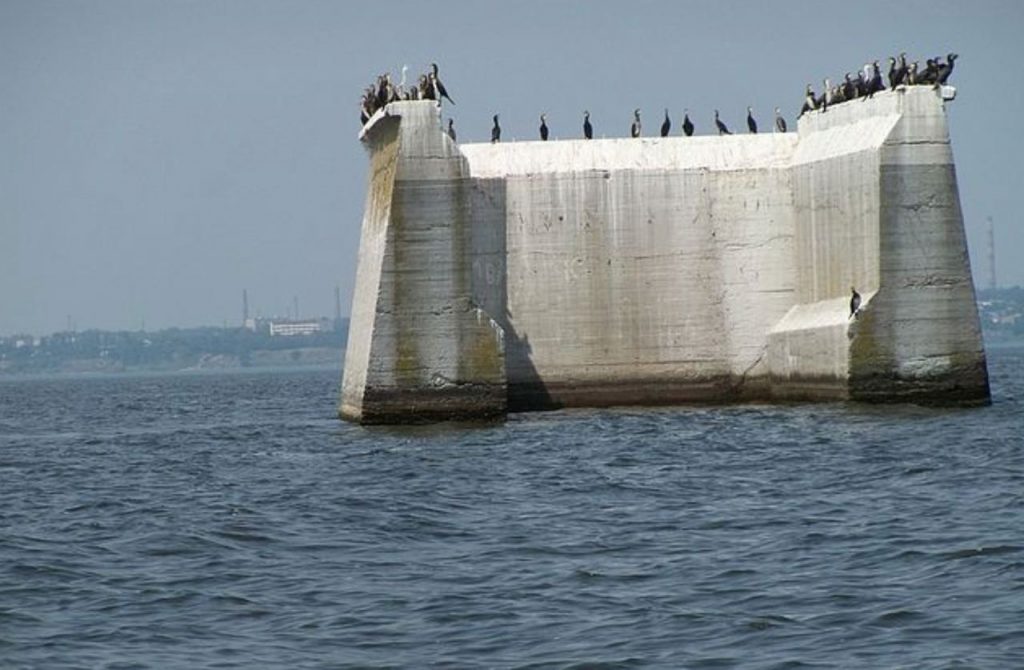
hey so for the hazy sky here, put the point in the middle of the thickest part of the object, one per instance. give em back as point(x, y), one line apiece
point(158, 157)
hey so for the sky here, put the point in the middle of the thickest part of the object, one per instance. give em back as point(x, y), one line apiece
point(158, 157)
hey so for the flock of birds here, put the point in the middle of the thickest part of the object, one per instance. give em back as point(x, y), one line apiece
point(384, 91)
point(867, 82)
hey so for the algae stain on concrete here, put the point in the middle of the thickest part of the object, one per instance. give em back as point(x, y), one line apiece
point(406, 354)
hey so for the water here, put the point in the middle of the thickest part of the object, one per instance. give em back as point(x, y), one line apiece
point(229, 520)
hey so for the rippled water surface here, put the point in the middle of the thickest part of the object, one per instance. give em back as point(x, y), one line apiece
point(229, 520)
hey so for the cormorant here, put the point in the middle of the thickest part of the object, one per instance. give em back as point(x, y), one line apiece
point(810, 101)
point(427, 89)
point(687, 124)
point(849, 87)
point(543, 128)
point(901, 71)
point(451, 129)
point(367, 106)
point(930, 74)
point(912, 74)
point(894, 74)
point(666, 125)
point(588, 130)
point(861, 85)
point(946, 69)
point(495, 131)
point(839, 93)
point(751, 123)
point(382, 91)
point(441, 92)
point(722, 130)
point(780, 123)
point(635, 129)
point(854, 302)
point(875, 84)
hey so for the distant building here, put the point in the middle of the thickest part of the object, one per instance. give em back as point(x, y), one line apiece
point(292, 327)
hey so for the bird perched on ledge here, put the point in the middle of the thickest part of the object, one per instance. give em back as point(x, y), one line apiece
point(687, 123)
point(543, 128)
point(854, 302)
point(751, 123)
point(666, 125)
point(780, 123)
point(722, 129)
point(635, 129)
point(588, 130)
point(451, 129)
point(946, 69)
point(495, 131)
point(435, 80)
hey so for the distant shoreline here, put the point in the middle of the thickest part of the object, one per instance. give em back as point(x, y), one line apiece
point(260, 359)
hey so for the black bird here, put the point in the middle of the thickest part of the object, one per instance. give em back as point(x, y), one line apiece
point(666, 125)
point(543, 128)
point(722, 129)
point(588, 130)
point(368, 105)
point(635, 129)
point(854, 302)
point(893, 74)
point(901, 71)
point(780, 123)
point(875, 84)
point(495, 131)
point(426, 88)
point(848, 88)
point(946, 68)
point(861, 85)
point(751, 123)
point(912, 74)
point(451, 129)
point(441, 92)
point(382, 91)
point(687, 124)
point(930, 74)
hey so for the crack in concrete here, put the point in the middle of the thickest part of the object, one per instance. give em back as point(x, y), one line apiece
point(933, 280)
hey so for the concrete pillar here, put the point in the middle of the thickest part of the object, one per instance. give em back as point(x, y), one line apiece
point(422, 346)
point(919, 339)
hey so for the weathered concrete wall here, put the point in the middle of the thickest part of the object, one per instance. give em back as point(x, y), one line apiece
point(641, 271)
point(663, 270)
point(877, 207)
point(921, 339)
